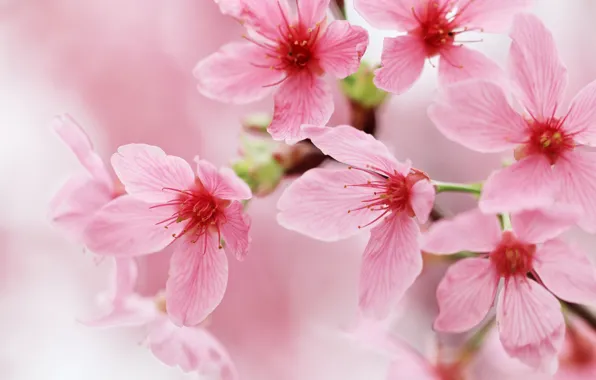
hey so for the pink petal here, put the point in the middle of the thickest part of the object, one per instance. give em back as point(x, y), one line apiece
point(477, 115)
point(566, 271)
point(339, 50)
point(238, 72)
point(408, 364)
point(235, 230)
point(230, 7)
point(490, 15)
point(128, 227)
point(466, 294)
point(422, 198)
point(535, 67)
point(265, 17)
point(312, 12)
point(538, 226)
point(197, 280)
point(459, 63)
point(303, 98)
point(146, 170)
point(530, 322)
point(468, 231)
point(526, 184)
point(392, 261)
point(387, 14)
point(317, 203)
point(353, 147)
point(223, 184)
point(581, 120)
point(577, 173)
point(402, 62)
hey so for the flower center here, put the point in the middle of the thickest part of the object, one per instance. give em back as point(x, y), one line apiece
point(581, 351)
point(512, 257)
point(295, 50)
point(546, 138)
point(450, 371)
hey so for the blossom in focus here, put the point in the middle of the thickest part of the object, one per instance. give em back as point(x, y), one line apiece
point(375, 190)
point(529, 318)
point(193, 349)
point(433, 29)
point(552, 163)
point(167, 203)
point(288, 50)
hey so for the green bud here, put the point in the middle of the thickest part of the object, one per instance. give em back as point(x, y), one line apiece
point(359, 87)
point(258, 166)
point(257, 122)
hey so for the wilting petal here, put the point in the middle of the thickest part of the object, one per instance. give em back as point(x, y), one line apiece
point(312, 12)
point(402, 62)
point(317, 204)
point(129, 227)
point(530, 322)
point(581, 120)
point(392, 261)
point(466, 294)
point(490, 15)
point(477, 115)
point(147, 172)
point(468, 231)
point(238, 72)
point(566, 271)
point(387, 14)
point(459, 63)
point(422, 198)
point(302, 99)
point(223, 184)
point(527, 184)
point(341, 47)
point(535, 67)
point(235, 230)
point(197, 280)
point(538, 226)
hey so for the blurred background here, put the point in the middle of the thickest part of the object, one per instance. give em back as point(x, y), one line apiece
point(123, 69)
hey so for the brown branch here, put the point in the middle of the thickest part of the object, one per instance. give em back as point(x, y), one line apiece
point(582, 312)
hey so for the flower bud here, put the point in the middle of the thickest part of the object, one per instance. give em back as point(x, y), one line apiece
point(258, 166)
point(359, 88)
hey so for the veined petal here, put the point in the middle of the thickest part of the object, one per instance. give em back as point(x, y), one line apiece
point(459, 63)
point(466, 294)
point(311, 12)
point(527, 184)
point(341, 47)
point(239, 72)
point(235, 230)
point(530, 323)
point(538, 226)
point(147, 172)
point(477, 115)
point(581, 120)
point(223, 184)
point(303, 98)
point(265, 17)
point(489, 15)
point(317, 204)
point(422, 199)
point(566, 271)
point(468, 231)
point(197, 280)
point(388, 14)
point(392, 261)
point(535, 68)
point(402, 62)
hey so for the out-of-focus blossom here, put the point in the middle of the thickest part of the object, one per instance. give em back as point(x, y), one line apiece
point(433, 27)
point(332, 204)
point(529, 318)
point(288, 50)
point(167, 203)
point(551, 163)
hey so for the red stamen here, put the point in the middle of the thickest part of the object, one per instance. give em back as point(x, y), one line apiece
point(512, 257)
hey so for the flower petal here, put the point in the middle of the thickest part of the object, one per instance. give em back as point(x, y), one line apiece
point(402, 62)
point(466, 294)
point(581, 120)
point(235, 230)
point(312, 12)
point(145, 171)
point(265, 17)
point(238, 72)
point(490, 15)
point(317, 204)
point(406, 363)
point(527, 184)
point(129, 227)
point(197, 280)
point(302, 99)
point(477, 115)
point(530, 322)
point(566, 271)
point(422, 199)
point(538, 226)
point(459, 63)
point(392, 261)
point(223, 184)
point(387, 14)
point(468, 231)
point(537, 72)
point(341, 47)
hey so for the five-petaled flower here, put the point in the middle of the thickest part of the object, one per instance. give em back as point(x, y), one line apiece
point(286, 50)
point(331, 204)
point(529, 317)
point(433, 29)
point(167, 203)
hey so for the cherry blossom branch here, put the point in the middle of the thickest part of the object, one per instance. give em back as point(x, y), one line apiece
point(581, 312)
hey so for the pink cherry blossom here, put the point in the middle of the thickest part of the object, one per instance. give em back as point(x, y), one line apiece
point(551, 164)
point(529, 318)
point(376, 189)
point(433, 29)
point(285, 50)
point(578, 358)
point(193, 349)
point(167, 203)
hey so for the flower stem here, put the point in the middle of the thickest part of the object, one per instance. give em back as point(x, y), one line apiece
point(474, 188)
